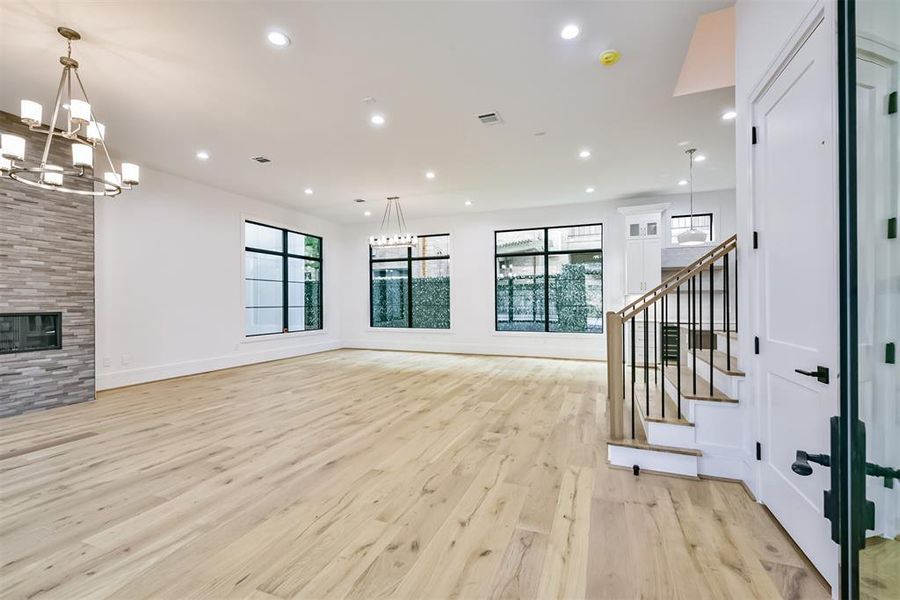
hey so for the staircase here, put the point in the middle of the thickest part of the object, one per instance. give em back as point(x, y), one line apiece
point(673, 371)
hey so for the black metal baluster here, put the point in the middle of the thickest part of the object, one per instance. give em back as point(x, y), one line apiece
point(646, 362)
point(662, 343)
point(655, 333)
point(727, 316)
point(700, 307)
point(694, 329)
point(678, 356)
point(632, 376)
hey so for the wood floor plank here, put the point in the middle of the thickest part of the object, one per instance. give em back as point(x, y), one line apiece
point(366, 474)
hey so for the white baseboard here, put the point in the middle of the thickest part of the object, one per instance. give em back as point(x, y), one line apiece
point(529, 350)
point(115, 379)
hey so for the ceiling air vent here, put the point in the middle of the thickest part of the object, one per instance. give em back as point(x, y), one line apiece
point(491, 118)
point(261, 159)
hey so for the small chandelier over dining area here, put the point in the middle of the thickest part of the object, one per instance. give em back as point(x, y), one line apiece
point(85, 134)
point(393, 238)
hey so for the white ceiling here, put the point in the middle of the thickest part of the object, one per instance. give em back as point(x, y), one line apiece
point(169, 78)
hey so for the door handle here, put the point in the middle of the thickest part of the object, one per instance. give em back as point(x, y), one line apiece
point(801, 465)
point(821, 373)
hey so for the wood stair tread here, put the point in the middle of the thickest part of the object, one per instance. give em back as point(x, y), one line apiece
point(687, 385)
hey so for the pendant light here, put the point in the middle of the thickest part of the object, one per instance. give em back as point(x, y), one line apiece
point(399, 238)
point(692, 236)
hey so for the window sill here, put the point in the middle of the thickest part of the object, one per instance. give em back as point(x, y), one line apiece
point(406, 330)
point(271, 337)
point(549, 334)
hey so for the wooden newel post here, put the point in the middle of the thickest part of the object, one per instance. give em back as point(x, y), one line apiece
point(615, 388)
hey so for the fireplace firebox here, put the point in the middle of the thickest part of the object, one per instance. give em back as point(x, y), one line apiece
point(29, 332)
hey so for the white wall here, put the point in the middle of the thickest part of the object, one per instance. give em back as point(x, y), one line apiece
point(169, 282)
point(472, 277)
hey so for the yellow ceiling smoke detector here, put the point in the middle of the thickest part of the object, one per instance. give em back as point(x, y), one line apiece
point(609, 58)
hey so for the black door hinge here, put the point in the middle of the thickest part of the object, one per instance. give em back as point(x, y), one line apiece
point(892, 228)
point(755, 345)
point(892, 103)
point(758, 451)
point(890, 353)
point(755, 240)
point(753, 135)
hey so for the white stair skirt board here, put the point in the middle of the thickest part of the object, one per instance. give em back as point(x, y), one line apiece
point(652, 460)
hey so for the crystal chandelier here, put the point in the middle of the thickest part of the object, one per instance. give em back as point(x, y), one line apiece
point(86, 135)
point(400, 238)
point(692, 235)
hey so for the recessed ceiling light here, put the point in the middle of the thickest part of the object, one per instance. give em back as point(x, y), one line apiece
point(682, 182)
point(277, 38)
point(377, 119)
point(584, 154)
point(728, 115)
point(569, 32)
point(589, 190)
point(368, 213)
point(429, 174)
point(308, 191)
point(699, 158)
point(202, 154)
point(468, 203)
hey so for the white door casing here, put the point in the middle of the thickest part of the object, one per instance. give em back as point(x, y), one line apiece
point(795, 213)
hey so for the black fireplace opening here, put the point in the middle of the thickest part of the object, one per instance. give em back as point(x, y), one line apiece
point(28, 332)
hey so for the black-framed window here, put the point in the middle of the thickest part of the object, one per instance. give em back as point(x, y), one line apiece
point(681, 223)
point(282, 280)
point(549, 279)
point(410, 287)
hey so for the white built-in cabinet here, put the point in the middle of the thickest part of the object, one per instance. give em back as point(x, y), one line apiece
point(643, 252)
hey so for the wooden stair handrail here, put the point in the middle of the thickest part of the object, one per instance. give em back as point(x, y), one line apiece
point(678, 278)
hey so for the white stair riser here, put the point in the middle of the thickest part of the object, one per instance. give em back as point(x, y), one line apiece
point(720, 344)
point(670, 434)
point(728, 384)
point(651, 460)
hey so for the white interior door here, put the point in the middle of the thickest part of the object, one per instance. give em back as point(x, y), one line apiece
point(795, 205)
point(878, 263)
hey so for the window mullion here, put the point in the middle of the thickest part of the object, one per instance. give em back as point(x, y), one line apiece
point(409, 278)
point(284, 281)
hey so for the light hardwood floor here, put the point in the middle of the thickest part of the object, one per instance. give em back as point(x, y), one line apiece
point(362, 474)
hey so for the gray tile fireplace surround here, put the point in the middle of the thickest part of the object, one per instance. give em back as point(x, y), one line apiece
point(46, 266)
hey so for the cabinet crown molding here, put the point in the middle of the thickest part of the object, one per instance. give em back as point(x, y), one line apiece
point(643, 209)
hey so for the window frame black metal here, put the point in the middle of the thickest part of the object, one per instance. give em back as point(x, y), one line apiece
point(547, 253)
point(409, 278)
point(285, 255)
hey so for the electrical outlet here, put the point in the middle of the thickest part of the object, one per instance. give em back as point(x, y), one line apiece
point(126, 358)
point(107, 361)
